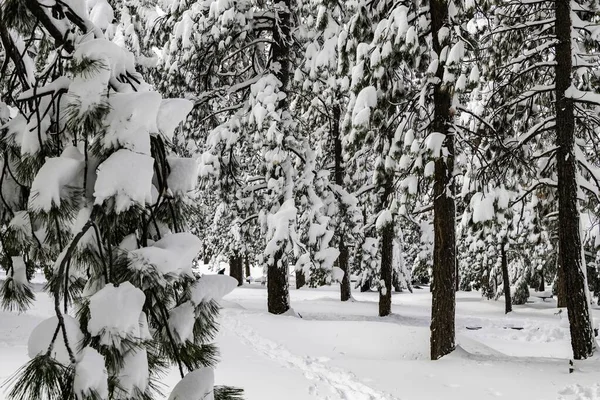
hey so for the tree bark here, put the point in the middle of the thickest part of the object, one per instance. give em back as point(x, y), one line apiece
point(277, 271)
point(345, 289)
point(444, 249)
point(247, 265)
point(505, 278)
point(385, 293)
point(300, 279)
point(236, 268)
point(582, 335)
point(278, 298)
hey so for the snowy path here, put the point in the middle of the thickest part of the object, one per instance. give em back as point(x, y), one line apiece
point(343, 385)
point(343, 351)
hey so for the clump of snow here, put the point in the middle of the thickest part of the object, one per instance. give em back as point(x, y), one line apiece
point(51, 180)
point(385, 218)
point(184, 174)
point(91, 376)
point(212, 287)
point(181, 322)
point(130, 125)
point(170, 113)
point(365, 101)
point(337, 274)
point(135, 373)
point(112, 326)
point(42, 334)
point(198, 384)
point(173, 254)
point(126, 176)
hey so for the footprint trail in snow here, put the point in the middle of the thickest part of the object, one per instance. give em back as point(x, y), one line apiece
point(343, 385)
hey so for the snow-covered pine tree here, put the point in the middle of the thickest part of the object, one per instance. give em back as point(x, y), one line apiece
point(91, 193)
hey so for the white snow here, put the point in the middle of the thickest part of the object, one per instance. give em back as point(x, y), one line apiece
point(344, 351)
point(184, 175)
point(126, 176)
point(41, 337)
point(196, 384)
point(113, 326)
point(91, 375)
point(212, 287)
point(181, 322)
point(170, 114)
point(51, 180)
point(365, 101)
point(134, 374)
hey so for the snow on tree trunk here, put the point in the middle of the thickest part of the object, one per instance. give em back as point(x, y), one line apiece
point(385, 287)
point(582, 335)
point(444, 253)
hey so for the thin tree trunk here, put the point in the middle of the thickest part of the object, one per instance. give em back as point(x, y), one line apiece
point(236, 268)
point(444, 253)
point(542, 284)
point(385, 293)
point(277, 271)
point(300, 279)
point(366, 286)
point(505, 278)
point(582, 335)
point(247, 266)
point(278, 299)
point(345, 289)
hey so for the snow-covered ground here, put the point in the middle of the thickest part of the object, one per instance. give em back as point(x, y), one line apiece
point(344, 351)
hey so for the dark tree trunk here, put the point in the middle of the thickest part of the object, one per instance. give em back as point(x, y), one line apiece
point(541, 283)
point(366, 286)
point(582, 335)
point(444, 249)
point(457, 280)
point(345, 290)
point(277, 272)
point(385, 293)
point(561, 294)
point(236, 268)
point(396, 283)
point(278, 299)
point(247, 265)
point(505, 278)
point(300, 279)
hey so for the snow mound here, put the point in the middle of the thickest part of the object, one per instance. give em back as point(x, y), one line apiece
point(91, 375)
point(197, 384)
point(579, 392)
point(111, 325)
point(212, 287)
point(42, 334)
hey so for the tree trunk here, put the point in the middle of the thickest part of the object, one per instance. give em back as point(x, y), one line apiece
point(444, 248)
point(457, 280)
point(236, 268)
point(505, 278)
point(582, 335)
point(300, 279)
point(277, 271)
point(385, 293)
point(366, 286)
point(247, 266)
point(345, 290)
point(542, 284)
point(278, 298)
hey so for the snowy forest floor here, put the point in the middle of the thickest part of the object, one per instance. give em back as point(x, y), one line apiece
point(344, 351)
